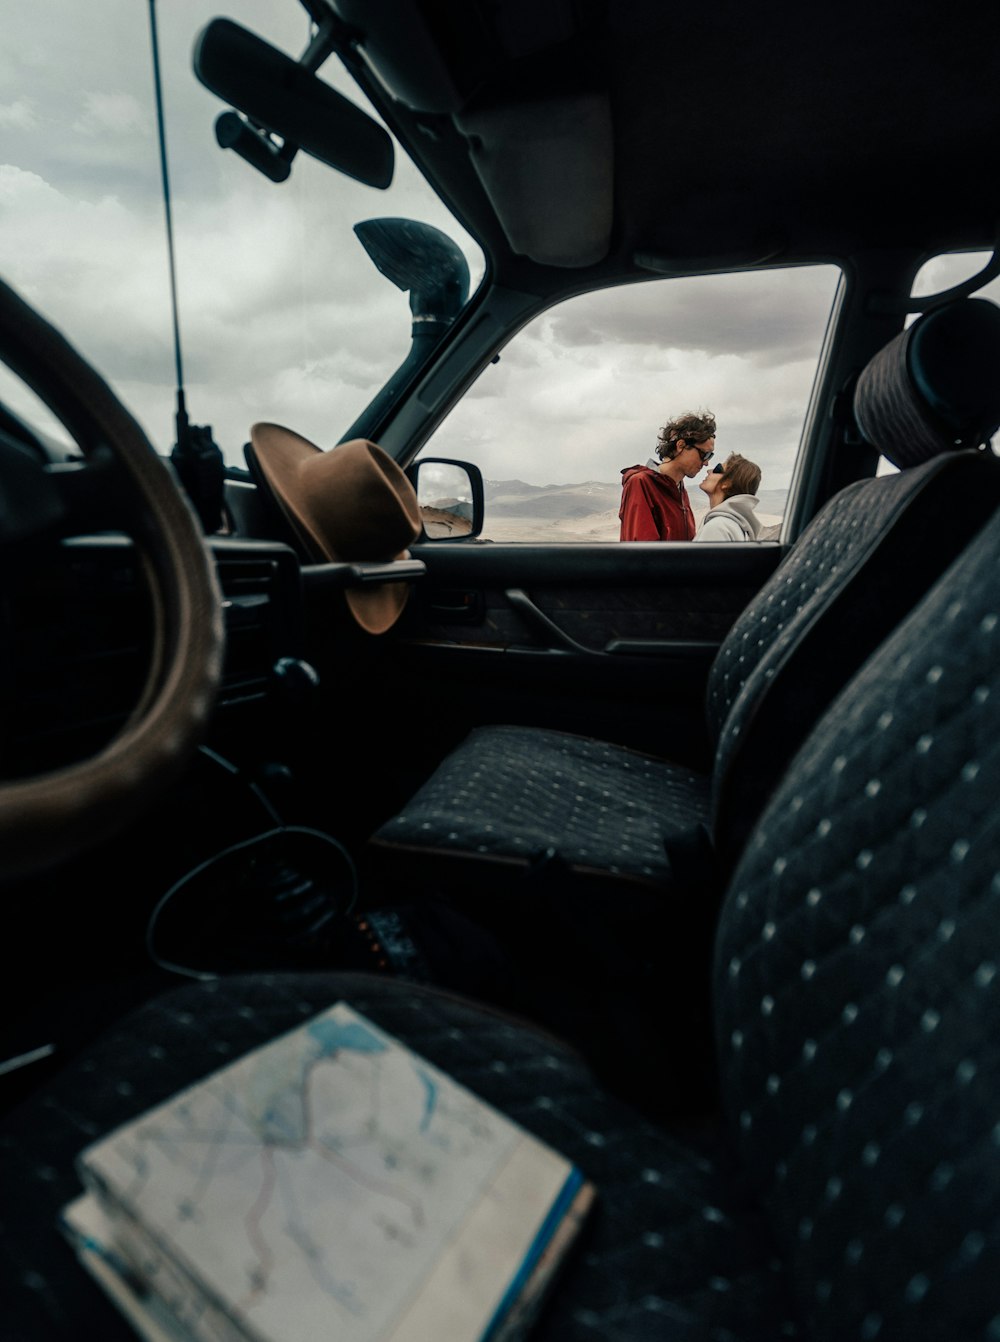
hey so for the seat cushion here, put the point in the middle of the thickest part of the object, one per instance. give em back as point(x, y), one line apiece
point(558, 844)
point(672, 1250)
point(515, 796)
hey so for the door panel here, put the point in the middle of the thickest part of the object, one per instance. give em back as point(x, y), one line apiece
point(611, 642)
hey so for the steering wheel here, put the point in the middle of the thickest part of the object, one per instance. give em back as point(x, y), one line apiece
point(119, 484)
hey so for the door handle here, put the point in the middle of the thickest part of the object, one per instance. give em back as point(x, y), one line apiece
point(541, 624)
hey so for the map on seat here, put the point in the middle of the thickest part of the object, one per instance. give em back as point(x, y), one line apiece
point(332, 1183)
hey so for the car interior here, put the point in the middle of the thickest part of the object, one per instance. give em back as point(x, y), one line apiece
point(684, 857)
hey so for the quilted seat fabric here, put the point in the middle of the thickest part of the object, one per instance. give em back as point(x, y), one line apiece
point(835, 546)
point(857, 982)
point(936, 377)
point(867, 558)
point(672, 1249)
point(586, 799)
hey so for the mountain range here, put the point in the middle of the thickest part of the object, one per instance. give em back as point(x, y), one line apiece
point(514, 498)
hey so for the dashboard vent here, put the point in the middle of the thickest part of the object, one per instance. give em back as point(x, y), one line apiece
point(261, 602)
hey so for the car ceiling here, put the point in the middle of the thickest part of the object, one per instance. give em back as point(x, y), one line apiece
point(633, 135)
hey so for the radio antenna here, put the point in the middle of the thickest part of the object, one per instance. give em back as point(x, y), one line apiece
point(196, 457)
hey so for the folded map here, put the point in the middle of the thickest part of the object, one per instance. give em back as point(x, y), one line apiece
point(332, 1183)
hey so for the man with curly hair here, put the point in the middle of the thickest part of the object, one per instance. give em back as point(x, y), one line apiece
point(655, 504)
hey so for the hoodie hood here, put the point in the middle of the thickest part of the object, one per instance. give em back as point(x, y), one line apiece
point(742, 507)
point(629, 471)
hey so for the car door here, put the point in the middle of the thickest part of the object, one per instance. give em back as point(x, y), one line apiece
point(546, 617)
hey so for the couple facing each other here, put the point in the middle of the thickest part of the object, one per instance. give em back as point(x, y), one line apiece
point(655, 504)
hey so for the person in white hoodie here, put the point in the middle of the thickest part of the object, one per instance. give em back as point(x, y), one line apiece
point(732, 501)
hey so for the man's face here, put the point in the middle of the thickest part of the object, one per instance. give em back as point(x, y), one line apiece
point(697, 455)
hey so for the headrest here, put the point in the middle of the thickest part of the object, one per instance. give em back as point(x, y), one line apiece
point(936, 386)
point(350, 504)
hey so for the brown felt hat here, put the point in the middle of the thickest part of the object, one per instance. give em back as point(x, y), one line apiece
point(350, 504)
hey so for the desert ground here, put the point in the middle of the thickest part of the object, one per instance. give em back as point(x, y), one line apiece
point(568, 530)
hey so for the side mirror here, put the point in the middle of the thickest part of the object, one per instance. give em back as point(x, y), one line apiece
point(450, 497)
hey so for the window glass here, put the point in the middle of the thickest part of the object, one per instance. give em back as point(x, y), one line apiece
point(581, 393)
point(283, 313)
point(942, 272)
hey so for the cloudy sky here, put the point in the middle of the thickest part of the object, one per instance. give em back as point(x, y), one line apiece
point(282, 314)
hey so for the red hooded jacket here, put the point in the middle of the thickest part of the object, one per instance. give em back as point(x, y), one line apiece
point(653, 507)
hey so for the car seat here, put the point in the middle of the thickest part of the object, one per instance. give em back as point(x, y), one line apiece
point(848, 1186)
point(588, 814)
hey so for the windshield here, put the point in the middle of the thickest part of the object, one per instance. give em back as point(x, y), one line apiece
point(283, 314)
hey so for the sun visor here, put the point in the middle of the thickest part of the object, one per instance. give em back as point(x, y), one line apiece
point(400, 51)
point(548, 169)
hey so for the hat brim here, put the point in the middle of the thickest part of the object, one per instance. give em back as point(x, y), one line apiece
point(287, 464)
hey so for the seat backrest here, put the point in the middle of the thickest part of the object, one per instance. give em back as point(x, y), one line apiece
point(857, 985)
point(926, 401)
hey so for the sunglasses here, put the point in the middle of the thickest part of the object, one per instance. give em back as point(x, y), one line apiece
point(705, 456)
point(717, 470)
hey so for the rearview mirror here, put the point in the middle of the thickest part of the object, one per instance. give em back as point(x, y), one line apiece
point(277, 93)
point(450, 498)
